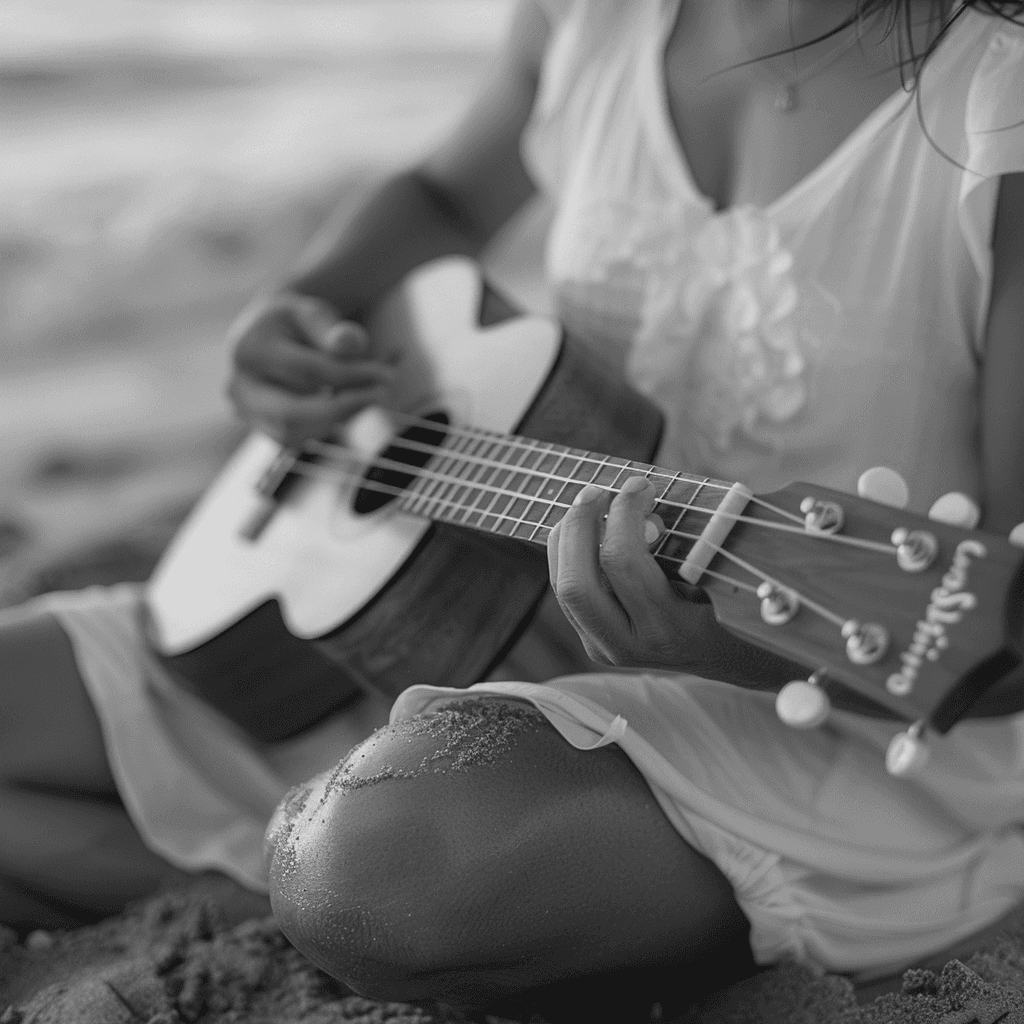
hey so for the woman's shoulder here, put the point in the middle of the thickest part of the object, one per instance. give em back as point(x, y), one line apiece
point(976, 43)
point(983, 76)
point(970, 92)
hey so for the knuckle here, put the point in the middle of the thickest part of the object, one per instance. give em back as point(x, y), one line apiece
point(571, 592)
point(614, 555)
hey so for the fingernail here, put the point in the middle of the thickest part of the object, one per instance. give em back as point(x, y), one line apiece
point(347, 339)
point(636, 485)
point(652, 529)
point(589, 493)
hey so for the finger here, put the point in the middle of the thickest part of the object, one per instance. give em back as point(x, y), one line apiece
point(594, 653)
point(274, 345)
point(291, 418)
point(328, 333)
point(552, 550)
point(578, 583)
point(626, 559)
point(306, 371)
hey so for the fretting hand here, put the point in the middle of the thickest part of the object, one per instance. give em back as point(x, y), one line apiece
point(623, 606)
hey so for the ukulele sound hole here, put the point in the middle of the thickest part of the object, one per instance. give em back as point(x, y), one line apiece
point(383, 483)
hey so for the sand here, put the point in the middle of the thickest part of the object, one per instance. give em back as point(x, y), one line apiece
point(210, 953)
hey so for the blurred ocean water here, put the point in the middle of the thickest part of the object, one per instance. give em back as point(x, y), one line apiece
point(125, 121)
point(160, 161)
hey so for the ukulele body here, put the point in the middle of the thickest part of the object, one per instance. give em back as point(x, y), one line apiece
point(280, 632)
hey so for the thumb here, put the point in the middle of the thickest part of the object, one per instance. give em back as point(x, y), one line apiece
point(325, 330)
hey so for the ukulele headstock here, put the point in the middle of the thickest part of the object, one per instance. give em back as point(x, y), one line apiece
point(918, 616)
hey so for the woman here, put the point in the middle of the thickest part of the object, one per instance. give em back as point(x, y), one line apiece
point(512, 836)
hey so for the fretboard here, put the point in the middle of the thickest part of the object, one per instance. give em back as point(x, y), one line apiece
point(521, 488)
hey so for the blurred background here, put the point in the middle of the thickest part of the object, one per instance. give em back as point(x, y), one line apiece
point(160, 162)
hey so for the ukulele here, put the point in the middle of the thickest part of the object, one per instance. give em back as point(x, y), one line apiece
point(414, 551)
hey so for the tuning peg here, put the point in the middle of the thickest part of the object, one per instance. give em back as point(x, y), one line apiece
point(956, 509)
point(1017, 535)
point(907, 751)
point(803, 704)
point(885, 486)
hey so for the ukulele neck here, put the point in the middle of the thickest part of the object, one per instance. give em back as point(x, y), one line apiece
point(521, 488)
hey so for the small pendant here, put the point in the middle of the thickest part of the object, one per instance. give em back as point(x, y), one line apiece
point(786, 98)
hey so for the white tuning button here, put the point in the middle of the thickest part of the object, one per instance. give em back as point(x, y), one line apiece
point(885, 486)
point(1017, 535)
point(802, 704)
point(907, 751)
point(956, 509)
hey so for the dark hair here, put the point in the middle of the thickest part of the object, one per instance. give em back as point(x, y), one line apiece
point(899, 17)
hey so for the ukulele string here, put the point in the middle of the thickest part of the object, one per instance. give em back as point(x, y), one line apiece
point(528, 445)
point(305, 469)
point(380, 462)
point(308, 469)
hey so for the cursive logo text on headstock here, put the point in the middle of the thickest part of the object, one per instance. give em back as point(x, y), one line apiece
point(949, 602)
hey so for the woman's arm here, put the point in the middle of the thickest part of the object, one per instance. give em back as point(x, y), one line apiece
point(1001, 427)
point(299, 366)
point(454, 201)
point(1002, 376)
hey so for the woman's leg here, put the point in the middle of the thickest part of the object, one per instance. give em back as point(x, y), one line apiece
point(66, 842)
point(473, 854)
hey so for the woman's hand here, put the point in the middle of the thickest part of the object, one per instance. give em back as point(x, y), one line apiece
point(623, 606)
point(299, 369)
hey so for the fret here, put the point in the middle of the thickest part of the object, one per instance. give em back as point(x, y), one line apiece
point(553, 492)
point(483, 477)
point(413, 502)
point(491, 477)
point(495, 477)
point(507, 516)
point(545, 491)
point(521, 483)
point(425, 487)
point(671, 548)
point(527, 513)
point(471, 468)
point(440, 494)
point(582, 473)
point(507, 475)
point(551, 465)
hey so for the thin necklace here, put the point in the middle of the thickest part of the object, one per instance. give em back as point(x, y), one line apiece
point(787, 96)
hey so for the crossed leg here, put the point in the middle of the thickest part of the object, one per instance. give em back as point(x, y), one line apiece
point(473, 854)
point(68, 850)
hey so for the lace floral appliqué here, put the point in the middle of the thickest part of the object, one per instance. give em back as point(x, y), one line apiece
point(718, 332)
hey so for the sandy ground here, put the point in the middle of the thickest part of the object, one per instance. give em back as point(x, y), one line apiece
point(211, 954)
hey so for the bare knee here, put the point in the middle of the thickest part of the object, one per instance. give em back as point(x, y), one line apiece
point(382, 871)
point(450, 856)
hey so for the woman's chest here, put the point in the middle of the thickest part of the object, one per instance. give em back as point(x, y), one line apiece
point(749, 129)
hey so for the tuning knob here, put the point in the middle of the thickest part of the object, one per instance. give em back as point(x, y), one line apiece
point(803, 704)
point(1017, 535)
point(907, 751)
point(885, 486)
point(956, 509)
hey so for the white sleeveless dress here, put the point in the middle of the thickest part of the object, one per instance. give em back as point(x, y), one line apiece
point(838, 329)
